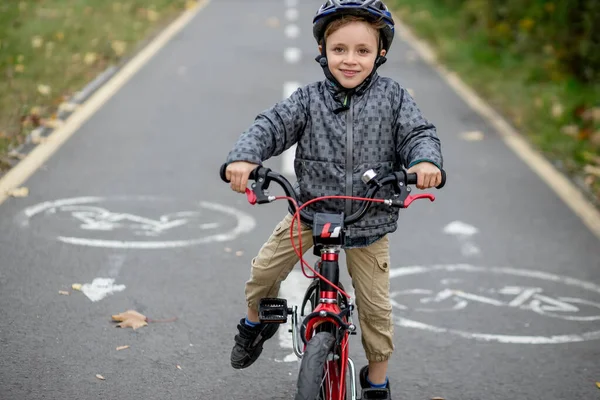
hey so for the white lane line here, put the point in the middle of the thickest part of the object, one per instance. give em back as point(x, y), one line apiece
point(561, 185)
point(26, 167)
point(292, 31)
point(288, 156)
point(291, 14)
point(292, 55)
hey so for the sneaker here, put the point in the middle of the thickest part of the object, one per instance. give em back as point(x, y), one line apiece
point(370, 393)
point(249, 343)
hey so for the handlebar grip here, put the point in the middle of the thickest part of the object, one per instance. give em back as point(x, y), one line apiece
point(222, 173)
point(253, 175)
point(411, 179)
point(441, 185)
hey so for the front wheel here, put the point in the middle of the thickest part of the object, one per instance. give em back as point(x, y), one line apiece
point(319, 371)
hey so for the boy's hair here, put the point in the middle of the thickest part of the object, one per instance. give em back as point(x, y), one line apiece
point(346, 19)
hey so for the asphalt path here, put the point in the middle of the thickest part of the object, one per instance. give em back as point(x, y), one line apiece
point(496, 285)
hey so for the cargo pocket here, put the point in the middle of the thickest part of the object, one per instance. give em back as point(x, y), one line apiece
point(381, 281)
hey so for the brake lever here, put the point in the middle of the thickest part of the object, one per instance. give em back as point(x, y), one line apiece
point(404, 198)
point(259, 186)
point(409, 199)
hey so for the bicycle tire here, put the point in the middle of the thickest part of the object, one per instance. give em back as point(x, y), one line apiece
point(312, 368)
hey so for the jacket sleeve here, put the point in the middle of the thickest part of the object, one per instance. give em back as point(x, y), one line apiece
point(273, 131)
point(416, 138)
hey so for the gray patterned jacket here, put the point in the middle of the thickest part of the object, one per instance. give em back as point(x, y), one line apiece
point(339, 137)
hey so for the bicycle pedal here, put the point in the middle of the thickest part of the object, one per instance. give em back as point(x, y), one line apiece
point(273, 311)
point(375, 394)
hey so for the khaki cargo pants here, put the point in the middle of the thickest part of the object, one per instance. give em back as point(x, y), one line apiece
point(367, 266)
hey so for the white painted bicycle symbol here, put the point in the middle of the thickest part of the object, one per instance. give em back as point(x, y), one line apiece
point(536, 292)
point(523, 298)
point(100, 219)
point(136, 222)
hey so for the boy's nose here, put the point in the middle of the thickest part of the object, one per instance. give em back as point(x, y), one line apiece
point(349, 59)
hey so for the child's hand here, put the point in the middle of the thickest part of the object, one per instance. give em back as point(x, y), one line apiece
point(237, 173)
point(428, 175)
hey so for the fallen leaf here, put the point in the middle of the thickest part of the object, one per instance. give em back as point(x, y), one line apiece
point(557, 110)
point(15, 154)
point(437, 398)
point(76, 286)
point(119, 47)
point(68, 107)
point(472, 136)
point(90, 58)
point(64, 292)
point(122, 347)
point(595, 138)
point(598, 385)
point(18, 192)
point(52, 123)
point(239, 253)
point(36, 138)
point(589, 180)
point(152, 15)
point(130, 319)
point(100, 377)
point(228, 250)
point(571, 130)
point(179, 367)
point(592, 170)
point(37, 42)
point(44, 89)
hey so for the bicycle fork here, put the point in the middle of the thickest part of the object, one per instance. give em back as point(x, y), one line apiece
point(297, 345)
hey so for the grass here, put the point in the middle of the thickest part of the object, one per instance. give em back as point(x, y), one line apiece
point(559, 115)
point(49, 50)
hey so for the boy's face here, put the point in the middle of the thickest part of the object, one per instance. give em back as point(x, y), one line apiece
point(351, 53)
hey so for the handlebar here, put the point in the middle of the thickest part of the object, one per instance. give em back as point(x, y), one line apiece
point(399, 181)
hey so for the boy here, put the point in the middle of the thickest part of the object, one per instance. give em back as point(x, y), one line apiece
point(352, 121)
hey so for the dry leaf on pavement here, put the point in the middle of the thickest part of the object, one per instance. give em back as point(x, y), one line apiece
point(472, 136)
point(598, 384)
point(64, 292)
point(179, 367)
point(18, 192)
point(76, 286)
point(100, 377)
point(122, 347)
point(130, 319)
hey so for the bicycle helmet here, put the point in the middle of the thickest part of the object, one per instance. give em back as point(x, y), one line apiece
point(371, 10)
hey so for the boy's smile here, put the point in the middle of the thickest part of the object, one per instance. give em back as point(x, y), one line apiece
point(351, 53)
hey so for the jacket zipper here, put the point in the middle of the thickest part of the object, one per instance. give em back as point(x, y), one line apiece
point(349, 155)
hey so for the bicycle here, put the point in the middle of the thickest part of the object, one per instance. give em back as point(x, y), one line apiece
point(324, 332)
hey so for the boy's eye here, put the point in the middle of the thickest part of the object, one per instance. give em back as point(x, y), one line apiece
point(338, 49)
point(363, 51)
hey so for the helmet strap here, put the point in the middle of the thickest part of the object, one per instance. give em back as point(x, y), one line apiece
point(322, 60)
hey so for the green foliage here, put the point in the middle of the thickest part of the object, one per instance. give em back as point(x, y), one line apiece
point(564, 33)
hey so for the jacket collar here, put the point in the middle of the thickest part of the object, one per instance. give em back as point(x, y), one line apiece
point(342, 95)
